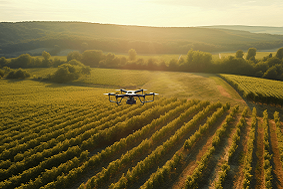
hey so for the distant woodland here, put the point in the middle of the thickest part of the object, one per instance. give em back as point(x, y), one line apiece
point(81, 36)
point(270, 67)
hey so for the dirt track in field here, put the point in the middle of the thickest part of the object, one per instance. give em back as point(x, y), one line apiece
point(194, 155)
point(276, 164)
point(220, 156)
point(258, 179)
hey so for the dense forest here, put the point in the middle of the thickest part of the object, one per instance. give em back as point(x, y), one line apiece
point(21, 37)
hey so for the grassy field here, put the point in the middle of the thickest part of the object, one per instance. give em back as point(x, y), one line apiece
point(168, 84)
point(215, 56)
point(259, 55)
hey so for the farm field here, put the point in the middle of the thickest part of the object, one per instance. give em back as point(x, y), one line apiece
point(169, 84)
point(71, 136)
point(259, 55)
point(257, 89)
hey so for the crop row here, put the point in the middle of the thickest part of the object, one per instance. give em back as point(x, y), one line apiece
point(225, 167)
point(52, 136)
point(153, 159)
point(250, 152)
point(79, 127)
point(94, 160)
point(162, 174)
point(40, 129)
point(125, 146)
point(42, 166)
point(156, 154)
point(39, 123)
point(279, 135)
point(256, 89)
point(195, 178)
point(267, 155)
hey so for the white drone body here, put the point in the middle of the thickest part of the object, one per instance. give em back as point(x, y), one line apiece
point(131, 95)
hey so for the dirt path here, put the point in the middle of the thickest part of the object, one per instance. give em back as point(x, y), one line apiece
point(178, 147)
point(258, 179)
point(276, 164)
point(239, 156)
point(194, 155)
point(220, 156)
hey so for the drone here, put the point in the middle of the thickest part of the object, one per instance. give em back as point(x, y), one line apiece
point(131, 95)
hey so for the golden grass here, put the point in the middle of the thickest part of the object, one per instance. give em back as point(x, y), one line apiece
point(168, 84)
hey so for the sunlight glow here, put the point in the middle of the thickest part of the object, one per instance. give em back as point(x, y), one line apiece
point(165, 13)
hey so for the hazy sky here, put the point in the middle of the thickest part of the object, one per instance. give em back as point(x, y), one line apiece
point(169, 13)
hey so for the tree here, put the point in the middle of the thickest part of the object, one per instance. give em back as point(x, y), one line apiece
point(23, 61)
point(198, 61)
point(132, 54)
point(2, 73)
point(239, 54)
point(173, 65)
point(46, 59)
point(279, 53)
point(273, 61)
point(271, 73)
point(3, 62)
point(46, 55)
point(251, 54)
point(18, 74)
point(70, 71)
point(65, 73)
point(74, 55)
point(92, 57)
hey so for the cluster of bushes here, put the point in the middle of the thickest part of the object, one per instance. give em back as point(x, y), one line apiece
point(69, 71)
point(27, 61)
point(9, 73)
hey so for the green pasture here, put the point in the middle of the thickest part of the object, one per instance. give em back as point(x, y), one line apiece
point(167, 84)
point(259, 55)
point(159, 57)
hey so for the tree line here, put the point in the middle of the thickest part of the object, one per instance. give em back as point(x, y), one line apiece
point(67, 71)
point(270, 67)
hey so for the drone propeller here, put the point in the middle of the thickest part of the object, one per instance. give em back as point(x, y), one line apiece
point(108, 94)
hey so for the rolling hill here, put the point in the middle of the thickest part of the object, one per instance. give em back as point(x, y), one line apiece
point(252, 29)
point(22, 37)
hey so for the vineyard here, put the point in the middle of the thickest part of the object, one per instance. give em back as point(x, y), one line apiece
point(257, 89)
point(72, 137)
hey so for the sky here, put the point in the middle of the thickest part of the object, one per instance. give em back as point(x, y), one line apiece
point(160, 13)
